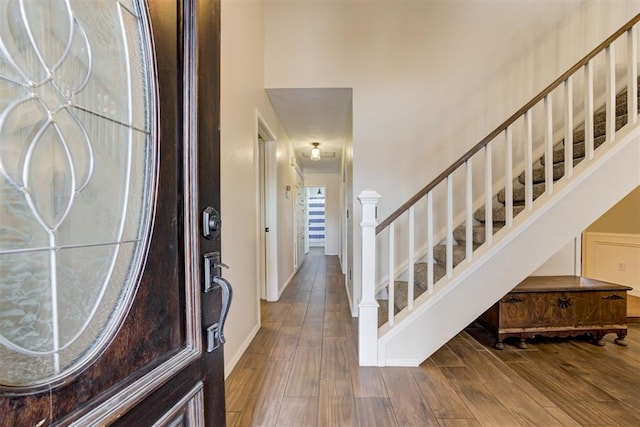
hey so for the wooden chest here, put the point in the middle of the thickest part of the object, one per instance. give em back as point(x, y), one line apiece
point(559, 306)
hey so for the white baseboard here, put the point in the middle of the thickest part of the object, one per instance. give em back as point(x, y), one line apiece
point(233, 361)
point(286, 283)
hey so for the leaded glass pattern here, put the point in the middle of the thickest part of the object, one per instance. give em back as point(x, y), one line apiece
point(77, 179)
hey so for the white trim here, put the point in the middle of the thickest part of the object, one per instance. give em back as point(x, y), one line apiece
point(602, 265)
point(231, 364)
point(271, 209)
point(286, 283)
point(296, 166)
point(403, 361)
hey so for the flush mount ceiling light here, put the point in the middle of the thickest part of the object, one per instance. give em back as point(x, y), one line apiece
point(315, 151)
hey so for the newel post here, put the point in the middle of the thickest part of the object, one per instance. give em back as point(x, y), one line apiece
point(368, 307)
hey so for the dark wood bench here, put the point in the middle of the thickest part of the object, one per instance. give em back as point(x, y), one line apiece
point(559, 306)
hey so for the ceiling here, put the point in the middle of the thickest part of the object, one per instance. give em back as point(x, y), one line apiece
point(314, 115)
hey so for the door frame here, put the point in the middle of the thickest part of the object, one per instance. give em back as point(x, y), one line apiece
point(134, 393)
point(298, 247)
point(267, 270)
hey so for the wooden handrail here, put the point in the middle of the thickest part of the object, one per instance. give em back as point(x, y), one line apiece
point(461, 161)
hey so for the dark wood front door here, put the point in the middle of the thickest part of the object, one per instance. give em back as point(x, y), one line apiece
point(164, 365)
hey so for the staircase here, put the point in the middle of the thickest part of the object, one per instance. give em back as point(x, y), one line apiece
point(482, 258)
point(499, 210)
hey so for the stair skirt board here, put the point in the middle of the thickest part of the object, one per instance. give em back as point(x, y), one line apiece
point(611, 175)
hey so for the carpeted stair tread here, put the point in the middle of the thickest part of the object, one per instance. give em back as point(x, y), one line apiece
point(420, 274)
point(499, 213)
point(538, 174)
point(601, 115)
point(599, 129)
point(400, 296)
point(621, 99)
point(519, 193)
point(419, 284)
point(479, 234)
point(383, 315)
point(578, 150)
point(440, 254)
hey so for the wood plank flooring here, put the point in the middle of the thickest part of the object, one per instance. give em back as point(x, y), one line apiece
point(633, 308)
point(302, 370)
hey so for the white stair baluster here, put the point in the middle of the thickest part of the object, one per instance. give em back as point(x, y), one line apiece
point(548, 144)
point(430, 242)
point(488, 193)
point(611, 93)
point(392, 273)
point(469, 208)
point(568, 127)
point(449, 225)
point(588, 110)
point(632, 74)
point(410, 295)
point(392, 280)
point(528, 162)
point(508, 178)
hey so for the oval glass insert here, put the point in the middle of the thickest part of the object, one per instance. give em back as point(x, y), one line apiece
point(77, 180)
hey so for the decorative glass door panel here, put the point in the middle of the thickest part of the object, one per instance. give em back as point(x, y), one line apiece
point(77, 181)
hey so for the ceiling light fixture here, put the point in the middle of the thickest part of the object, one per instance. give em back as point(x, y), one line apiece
point(315, 151)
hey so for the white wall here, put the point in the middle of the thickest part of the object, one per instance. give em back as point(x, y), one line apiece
point(242, 93)
point(563, 263)
point(420, 69)
point(287, 176)
point(333, 206)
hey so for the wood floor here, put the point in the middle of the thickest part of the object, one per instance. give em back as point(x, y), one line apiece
point(302, 370)
point(633, 307)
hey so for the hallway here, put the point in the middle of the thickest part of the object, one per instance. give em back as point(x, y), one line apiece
point(301, 370)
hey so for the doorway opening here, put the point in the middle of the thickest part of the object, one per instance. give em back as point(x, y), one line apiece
point(316, 224)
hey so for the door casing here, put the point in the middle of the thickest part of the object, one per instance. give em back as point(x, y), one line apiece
point(268, 267)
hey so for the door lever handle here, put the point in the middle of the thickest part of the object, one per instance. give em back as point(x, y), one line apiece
point(227, 296)
point(220, 264)
point(215, 332)
point(213, 280)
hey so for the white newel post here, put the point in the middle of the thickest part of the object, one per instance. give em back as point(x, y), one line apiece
point(368, 307)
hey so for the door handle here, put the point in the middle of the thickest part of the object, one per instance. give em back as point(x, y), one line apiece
point(214, 280)
point(215, 332)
